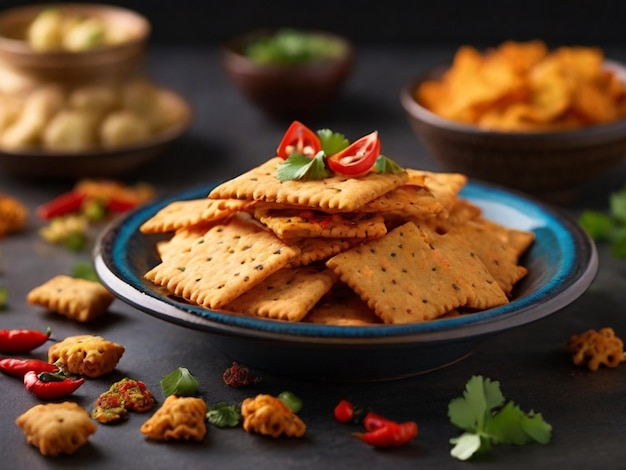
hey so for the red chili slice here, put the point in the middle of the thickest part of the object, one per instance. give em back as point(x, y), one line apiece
point(299, 139)
point(358, 158)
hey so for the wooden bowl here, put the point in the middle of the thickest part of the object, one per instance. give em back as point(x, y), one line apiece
point(97, 64)
point(287, 91)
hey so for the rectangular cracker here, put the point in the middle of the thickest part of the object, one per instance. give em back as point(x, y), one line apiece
point(317, 249)
point(290, 224)
point(182, 240)
point(341, 306)
point(335, 192)
point(286, 295)
point(401, 277)
point(77, 299)
point(408, 201)
point(229, 259)
point(179, 214)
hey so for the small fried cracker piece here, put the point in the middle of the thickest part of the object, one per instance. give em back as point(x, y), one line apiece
point(289, 225)
point(455, 247)
point(341, 306)
point(335, 192)
point(56, 428)
point(228, 260)
point(13, 215)
point(88, 355)
point(269, 416)
point(286, 295)
point(595, 348)
point(491, 243)
point(179, 214)
point(77, 299)
point(178, 418)
point(401, 277)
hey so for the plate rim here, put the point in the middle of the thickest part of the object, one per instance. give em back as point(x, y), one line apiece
point(570, 283)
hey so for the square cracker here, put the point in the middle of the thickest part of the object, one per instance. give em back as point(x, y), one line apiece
point(182, 240)
point(229, 259)
point(401, 277)
point(179, 214)
point(287, 294)
point(317, 248)
point(290, 224)
point(341, 306)
point(460, 253)
point(408, 200)
point(335, 192)
point(77, 299)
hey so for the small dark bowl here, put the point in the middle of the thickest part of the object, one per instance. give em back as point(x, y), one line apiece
point(551, 165)
point(287, 91)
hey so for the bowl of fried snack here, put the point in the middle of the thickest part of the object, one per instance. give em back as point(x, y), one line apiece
point(287, 72)
point(345, 266)
point(545, 121)
point(73, 42)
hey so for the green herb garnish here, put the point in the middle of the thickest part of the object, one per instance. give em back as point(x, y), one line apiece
point(291, 401)
point(85, 270)
point(332, 142)
point(487, 421)
point(298, 167)
point(4, 297)
point(387, 166)
point(180, 382)
point(608, 227)
point(291, 47)
point(224, 415)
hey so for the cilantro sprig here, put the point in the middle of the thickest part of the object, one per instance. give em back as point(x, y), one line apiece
point(486, 420)
point(608, 226)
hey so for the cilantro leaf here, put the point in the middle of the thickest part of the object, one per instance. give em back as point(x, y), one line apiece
point(617, 203)
point(486, 422)
point(332, 142)
point(386, 165)
point(608, 226)
point(4, 297)
point(597, 224)
point(298, 167)
point(224, 415)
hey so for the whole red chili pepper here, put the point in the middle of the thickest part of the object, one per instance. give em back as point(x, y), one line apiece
point(64, 204)
point(22, 341)
point(48, 386)
point(19, 367)
point(389, 434)
point(374, 421)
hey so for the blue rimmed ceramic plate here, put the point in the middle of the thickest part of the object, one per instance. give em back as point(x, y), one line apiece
point(562, 263)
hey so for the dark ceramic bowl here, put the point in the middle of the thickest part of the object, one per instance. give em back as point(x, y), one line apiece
point(103, 63)
point(562, 263)
point(551, 165)
point(287, 91)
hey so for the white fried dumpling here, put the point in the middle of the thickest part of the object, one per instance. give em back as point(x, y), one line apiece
point(71, 129)
point(123, 128)
point(45, 33)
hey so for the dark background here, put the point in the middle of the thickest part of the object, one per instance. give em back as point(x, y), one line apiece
point(451, 22)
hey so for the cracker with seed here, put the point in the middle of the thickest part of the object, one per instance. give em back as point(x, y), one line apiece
point(288, 224)
point(490, 243)
point(408, 200)
point(180, 214)
point(77, 299)
point(341, 306)
point(287, 294)
point(459, 213)
point(229, 259)
point(335, 192)
point(444, 186)
point(182, 240)
point(401, 277)
point(460, 253)
point(317, 248)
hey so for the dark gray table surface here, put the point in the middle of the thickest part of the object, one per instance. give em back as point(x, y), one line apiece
point(228, 136)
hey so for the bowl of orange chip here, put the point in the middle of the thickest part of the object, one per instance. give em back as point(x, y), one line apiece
point(521, 115)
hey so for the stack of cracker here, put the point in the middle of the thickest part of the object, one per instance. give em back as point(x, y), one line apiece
point(382, 248)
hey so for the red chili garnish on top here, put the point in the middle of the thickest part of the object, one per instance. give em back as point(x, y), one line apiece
point(299, 139)
point(22, 341)
point(382, 432)
point(19, 367)
point(358, 158)
point(48, 386)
